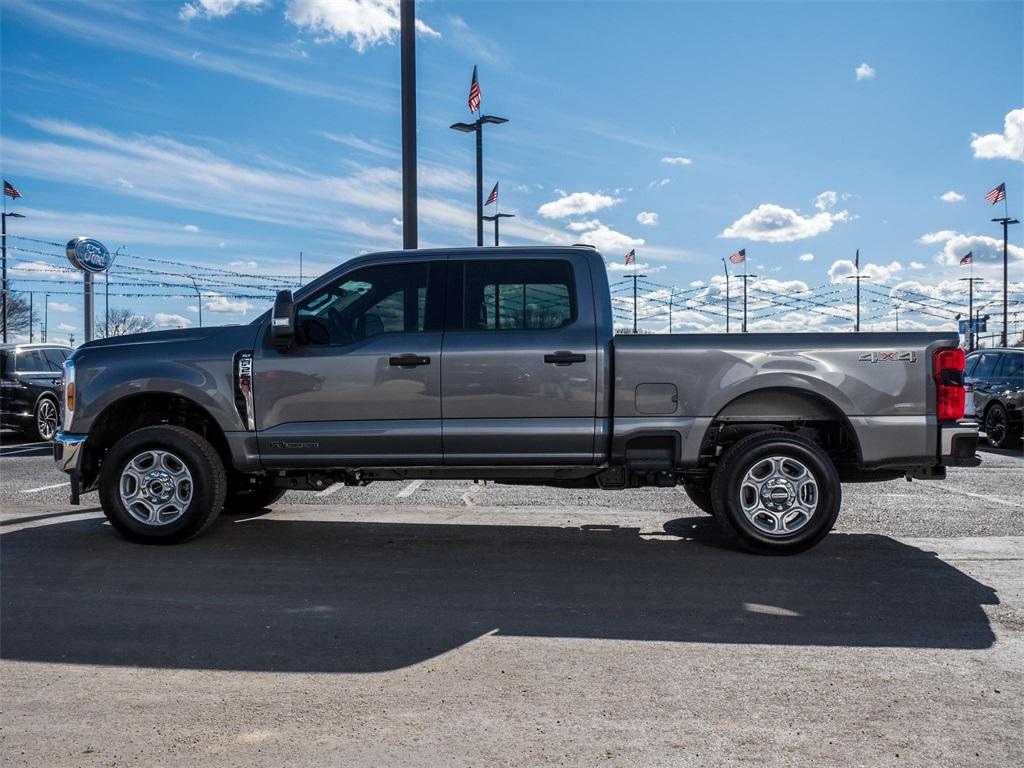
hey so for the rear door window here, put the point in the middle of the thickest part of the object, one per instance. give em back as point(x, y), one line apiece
point(518, 295)
point(55, 358)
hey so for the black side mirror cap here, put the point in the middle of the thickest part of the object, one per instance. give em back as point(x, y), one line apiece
point(282, 319)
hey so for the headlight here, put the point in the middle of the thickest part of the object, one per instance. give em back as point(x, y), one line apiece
point(67, 381)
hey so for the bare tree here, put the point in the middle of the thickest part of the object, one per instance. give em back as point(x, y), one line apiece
point(123, 322)
point(18, 314)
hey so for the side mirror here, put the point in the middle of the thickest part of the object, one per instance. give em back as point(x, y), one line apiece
point(282, 320)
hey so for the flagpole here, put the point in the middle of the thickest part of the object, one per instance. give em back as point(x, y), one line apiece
point(744, 292)
point(1006, 221)
point(726, 265)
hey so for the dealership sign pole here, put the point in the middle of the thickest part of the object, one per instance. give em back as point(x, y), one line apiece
point(90, 257)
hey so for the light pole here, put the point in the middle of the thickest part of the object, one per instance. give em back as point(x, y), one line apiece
point(858, 277)
point(5, 216)
point(726, 265)
point(477, 127)
point(407, 23)
point(199, 302)
point(970, 309)
point(46, 317)
point(495, 218)
point(1006, 221)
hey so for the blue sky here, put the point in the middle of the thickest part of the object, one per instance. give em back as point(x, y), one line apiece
point(235, 133)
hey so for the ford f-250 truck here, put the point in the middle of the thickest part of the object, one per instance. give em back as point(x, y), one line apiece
point(501, 364)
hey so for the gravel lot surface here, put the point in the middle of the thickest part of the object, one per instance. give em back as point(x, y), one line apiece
point(461, 624)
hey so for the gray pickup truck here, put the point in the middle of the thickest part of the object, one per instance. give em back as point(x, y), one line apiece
point(501, 364)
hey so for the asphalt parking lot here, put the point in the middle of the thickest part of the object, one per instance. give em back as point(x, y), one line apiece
point(452, 623)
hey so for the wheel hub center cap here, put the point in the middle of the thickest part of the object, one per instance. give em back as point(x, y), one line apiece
point(778, 495)
point(157, 486)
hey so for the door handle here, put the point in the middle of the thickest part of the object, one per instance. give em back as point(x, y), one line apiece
point(565, 358)
point(408, 361)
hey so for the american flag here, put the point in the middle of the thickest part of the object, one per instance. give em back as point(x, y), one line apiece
point(856, 261)
point(631, 257)
point(493, 197)
point(739, 257)
point(474, 93)
point(10, 190)
point(968, 259)
point(996, 196)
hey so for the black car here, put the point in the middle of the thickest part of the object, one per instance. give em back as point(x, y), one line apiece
point(997, 376)
point(30, 388)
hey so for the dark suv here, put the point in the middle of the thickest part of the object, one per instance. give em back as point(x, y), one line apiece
point(30, 388)
point(997, 376)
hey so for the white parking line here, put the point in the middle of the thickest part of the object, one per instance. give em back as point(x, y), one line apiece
point(330, 489)
point(44, 446)
point(409, 490)
point(45, 488)
point(983, 497)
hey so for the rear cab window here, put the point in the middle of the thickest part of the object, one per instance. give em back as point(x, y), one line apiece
point(1012, 366)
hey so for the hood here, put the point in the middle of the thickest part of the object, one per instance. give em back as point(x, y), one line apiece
point(186, 335)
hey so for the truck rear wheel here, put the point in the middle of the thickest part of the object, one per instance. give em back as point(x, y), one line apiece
point(162, 485)
point(776, 493)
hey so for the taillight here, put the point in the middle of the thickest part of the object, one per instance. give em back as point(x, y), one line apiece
point(948, 372)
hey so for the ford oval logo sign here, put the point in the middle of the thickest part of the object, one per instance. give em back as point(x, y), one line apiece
point(89, 255)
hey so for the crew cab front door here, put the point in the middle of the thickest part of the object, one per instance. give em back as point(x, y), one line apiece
point(519, 362)
point(361, 384)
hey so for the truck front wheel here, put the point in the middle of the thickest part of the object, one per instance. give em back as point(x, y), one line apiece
point(777, 493)
point(162, 485)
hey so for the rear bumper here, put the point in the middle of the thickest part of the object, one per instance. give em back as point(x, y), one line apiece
point(67, 453)
point(958, 445)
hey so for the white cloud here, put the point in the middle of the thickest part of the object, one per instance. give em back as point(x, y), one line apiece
point(582, 226)
point(775, 224)
point(878, 273)
point(213, 9)
point(227, 306)
point(940, 236)
point(696, 283)
point(916, 265)
point(366, 147)
point(192, 308)
point(190, 228)
point(1009, 144)
point(826, 201)
point(865, 72)
point(124, 183)
point(52, 271)
point(362, 23)
point(659, 183)
point(986, 250)
point(60, 306)
point(608, 240)
point(951, 197)
point(165, 320)
point(250, 264)
point(576, 204)
point(66, 327)
point(677, 161)
point(621, 266)
point(647, 218)
point(806, 257)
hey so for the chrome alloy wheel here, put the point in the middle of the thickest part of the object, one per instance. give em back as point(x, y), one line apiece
point(156, 487)
point(46, 419)
point(778, 495)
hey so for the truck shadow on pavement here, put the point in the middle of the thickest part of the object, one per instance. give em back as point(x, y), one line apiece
point(269, 594)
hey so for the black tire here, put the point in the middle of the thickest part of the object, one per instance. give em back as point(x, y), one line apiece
point(751, 454)
point(206, 484)
point(999, 432)
point(47, 411)
point(251, 499)
point(700, 495)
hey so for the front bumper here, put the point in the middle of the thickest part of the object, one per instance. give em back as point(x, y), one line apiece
point(67, 452)
point(958, 445)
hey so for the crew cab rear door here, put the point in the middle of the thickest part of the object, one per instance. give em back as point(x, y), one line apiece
point(519, 362)
point(361, 384)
